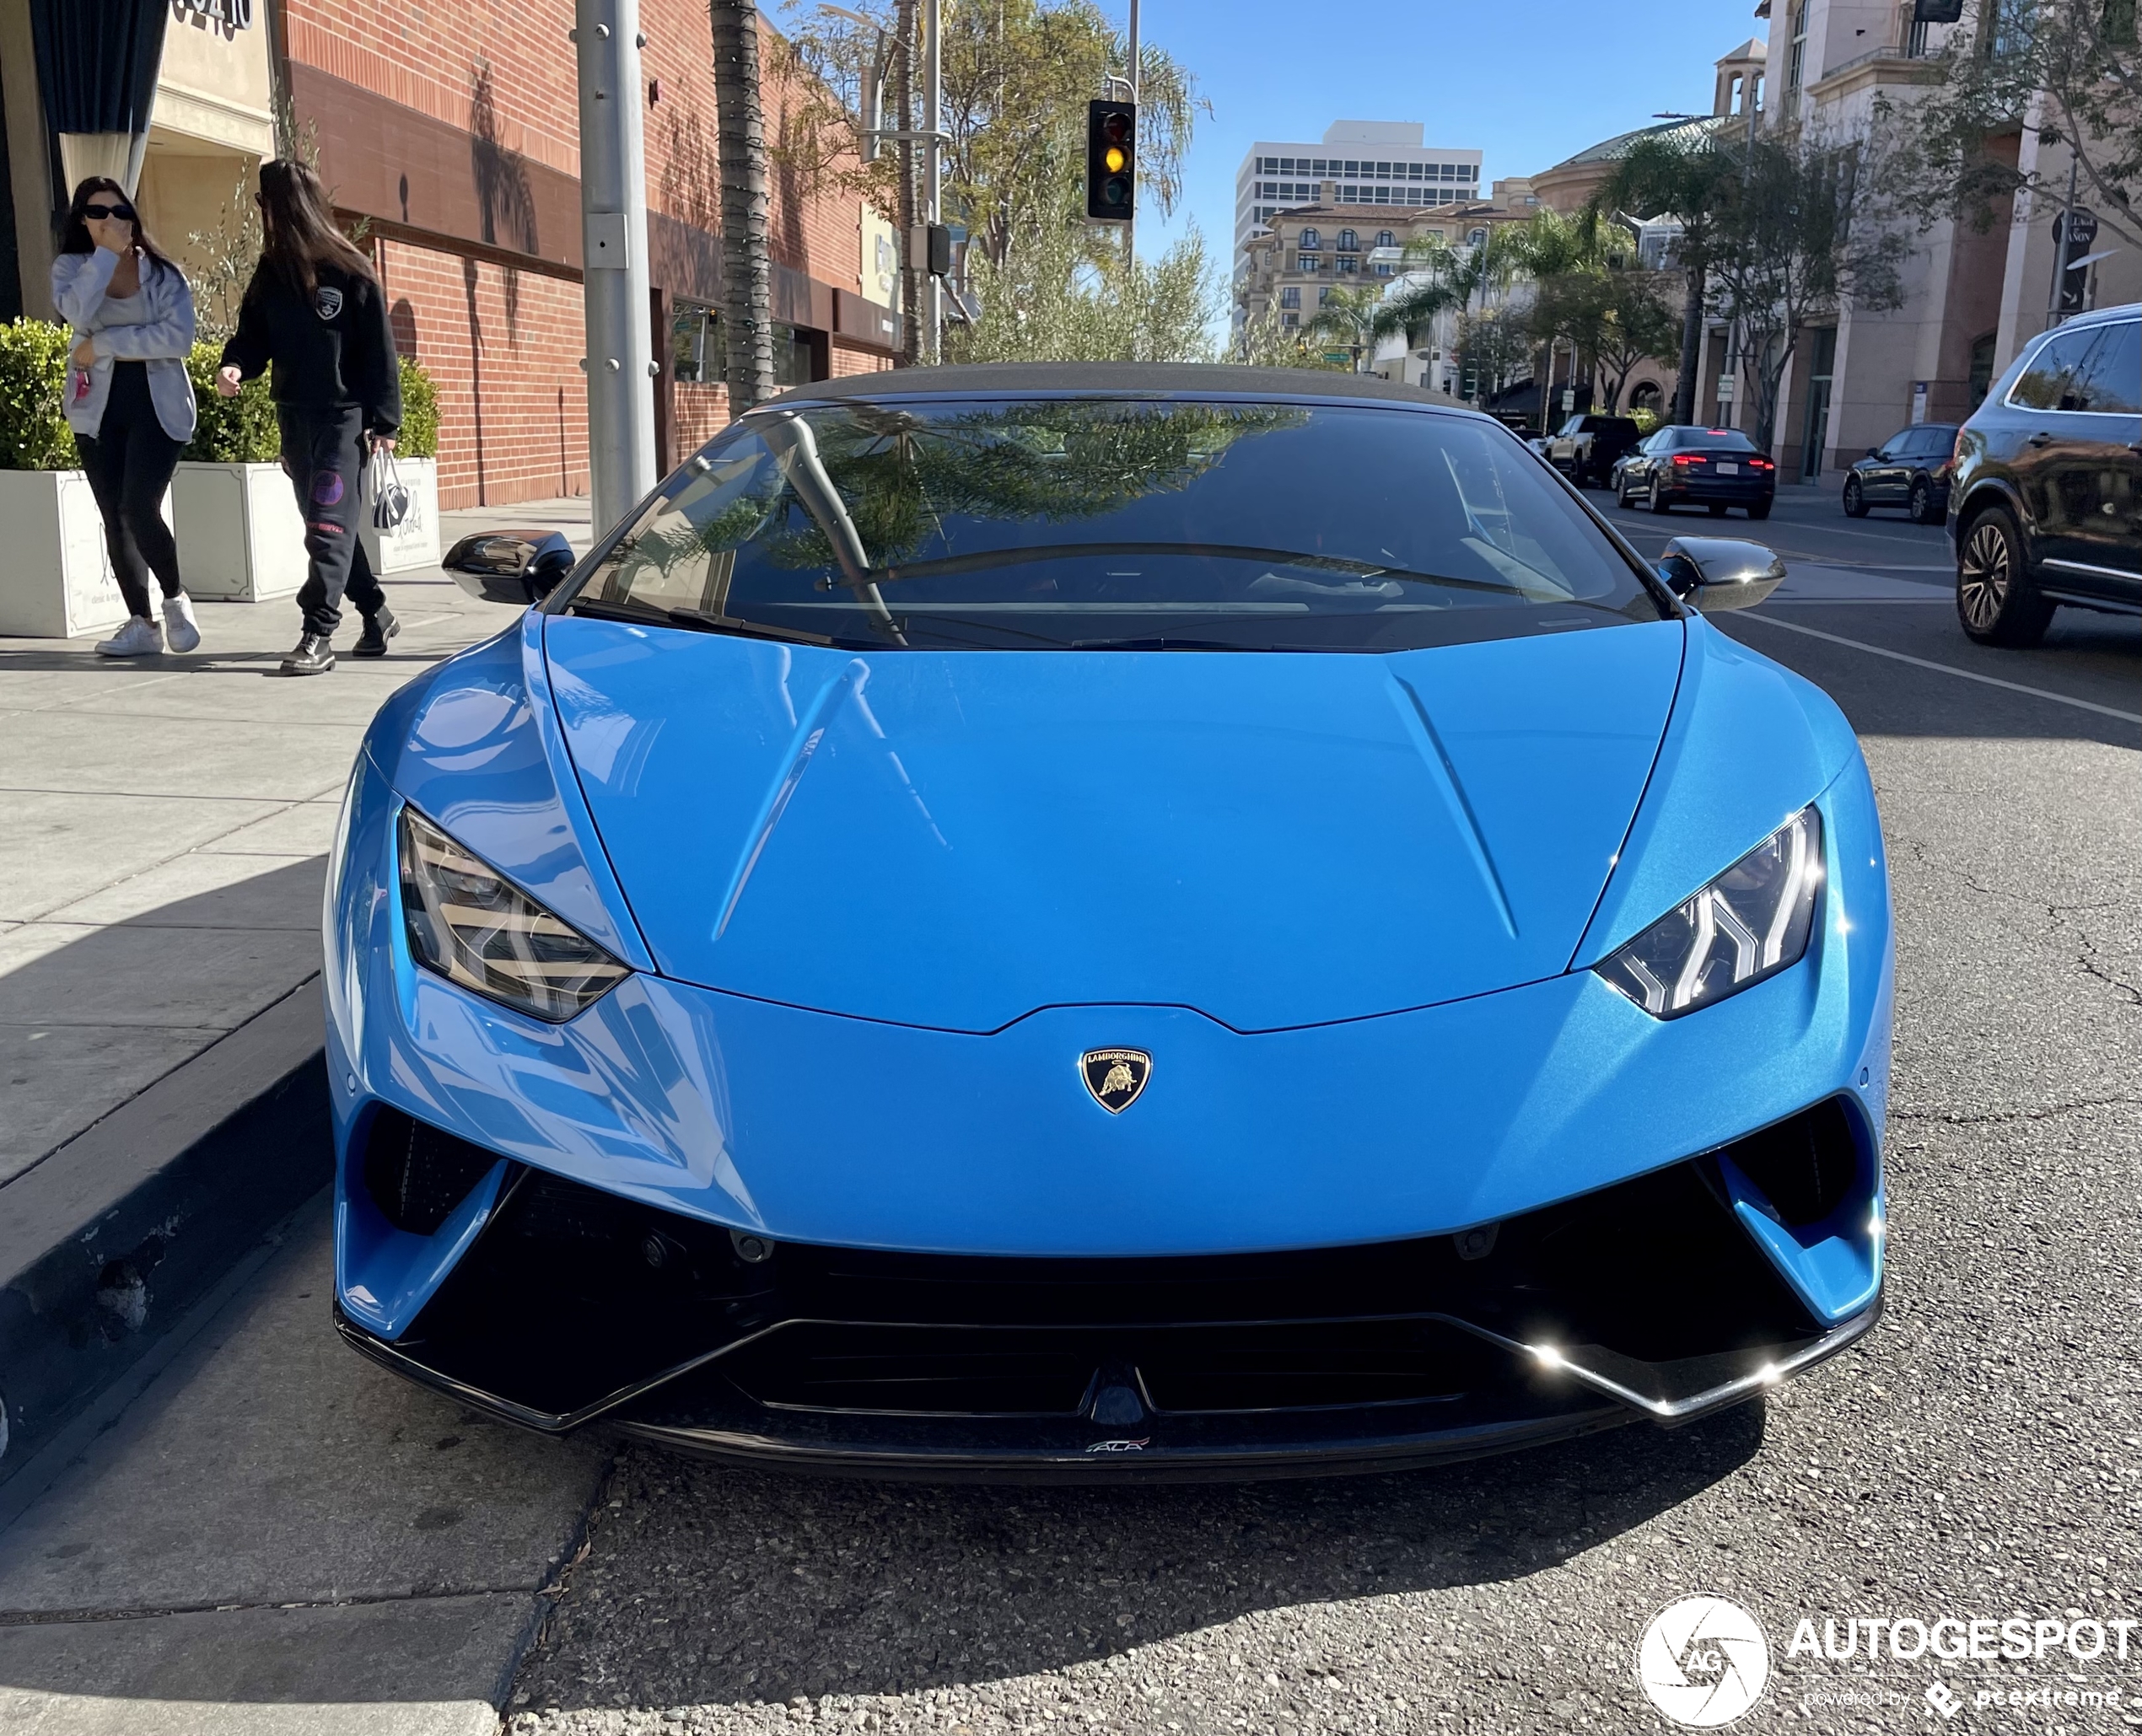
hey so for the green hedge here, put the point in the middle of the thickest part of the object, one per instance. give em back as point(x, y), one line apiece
point(240, 430)
point(34, 433)
point(419, 413)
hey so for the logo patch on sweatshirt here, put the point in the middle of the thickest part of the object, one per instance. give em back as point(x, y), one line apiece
point(326, 488)
point(329, 301)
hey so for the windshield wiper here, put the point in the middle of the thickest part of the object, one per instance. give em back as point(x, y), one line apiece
point(706, 621)
point(1171, 643)
point(983, 560)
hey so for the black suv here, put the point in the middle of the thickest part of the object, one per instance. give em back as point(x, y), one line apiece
point(2045, 502)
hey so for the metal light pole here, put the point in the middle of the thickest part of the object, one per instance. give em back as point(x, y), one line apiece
point(620, 361)
point(2060, 242)
point(934, 173)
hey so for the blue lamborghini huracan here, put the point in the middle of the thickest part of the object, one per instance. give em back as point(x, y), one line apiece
point(1093, 922)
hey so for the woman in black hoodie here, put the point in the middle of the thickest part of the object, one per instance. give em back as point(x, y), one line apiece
point(314, 311)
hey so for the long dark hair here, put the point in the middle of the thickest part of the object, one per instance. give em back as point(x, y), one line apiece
point(299, 233)
point(75, 233)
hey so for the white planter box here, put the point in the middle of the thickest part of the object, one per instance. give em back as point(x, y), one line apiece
point(414, 542)
point(56, 579)
point(241, 537)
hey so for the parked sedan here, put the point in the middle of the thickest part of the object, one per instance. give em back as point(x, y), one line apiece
point(2047, 500)
point(874, 970)
point(1717, 468)
point(1909, 469)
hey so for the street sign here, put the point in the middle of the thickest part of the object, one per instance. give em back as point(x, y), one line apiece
point(2073, 231)
point(1569, 400)
point(1726, 389)
point(2078, 228)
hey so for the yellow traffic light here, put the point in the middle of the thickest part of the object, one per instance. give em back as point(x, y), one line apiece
point(1115, 159)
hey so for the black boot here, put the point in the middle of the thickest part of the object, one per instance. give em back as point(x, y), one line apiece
point(377, 630)
point(314, 656)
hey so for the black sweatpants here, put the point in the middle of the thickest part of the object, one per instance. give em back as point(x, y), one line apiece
point(323, 452)
point(129, 464)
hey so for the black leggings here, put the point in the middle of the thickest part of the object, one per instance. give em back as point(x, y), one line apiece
point(129, 464)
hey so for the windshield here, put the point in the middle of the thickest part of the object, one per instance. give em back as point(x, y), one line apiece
point(1083, 523)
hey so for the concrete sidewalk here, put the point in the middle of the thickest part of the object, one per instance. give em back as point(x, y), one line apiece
point(160, 879)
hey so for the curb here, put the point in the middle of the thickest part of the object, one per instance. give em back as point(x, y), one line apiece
point(120, 1231)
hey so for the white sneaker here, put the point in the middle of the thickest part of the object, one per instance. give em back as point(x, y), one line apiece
point(180, 630)
point(139, 638)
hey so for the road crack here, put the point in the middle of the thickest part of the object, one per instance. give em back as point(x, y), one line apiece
point(2045, 1113)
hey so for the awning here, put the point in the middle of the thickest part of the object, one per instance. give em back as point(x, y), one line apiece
point(97, 62)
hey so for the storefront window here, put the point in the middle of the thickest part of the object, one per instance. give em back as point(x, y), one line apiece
point(697, 355)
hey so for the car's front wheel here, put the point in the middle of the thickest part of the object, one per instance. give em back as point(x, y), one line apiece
point(1995, 599)
point(1855, 498)
point(1922, 502)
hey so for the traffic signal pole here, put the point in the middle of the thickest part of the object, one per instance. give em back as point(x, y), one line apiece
point(1130, 228)
point(620, 360)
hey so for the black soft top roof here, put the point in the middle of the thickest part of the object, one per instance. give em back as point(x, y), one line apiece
point(1169, 378)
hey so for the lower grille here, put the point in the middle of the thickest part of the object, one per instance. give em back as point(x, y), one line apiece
point(416, 1174)
point(574, 1302)
point(1806, 1167)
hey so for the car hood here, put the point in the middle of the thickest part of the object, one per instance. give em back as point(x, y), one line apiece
point(955, 839)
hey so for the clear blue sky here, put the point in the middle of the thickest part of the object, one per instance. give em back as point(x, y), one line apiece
point(1528, 82)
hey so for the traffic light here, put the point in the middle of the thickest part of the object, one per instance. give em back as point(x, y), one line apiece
point(1111, 161)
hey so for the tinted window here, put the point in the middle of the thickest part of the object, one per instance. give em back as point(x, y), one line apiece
point(2109, 381)
point(2043, 383)
point(1070, 523)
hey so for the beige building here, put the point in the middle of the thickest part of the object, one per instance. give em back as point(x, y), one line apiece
point(211, 122)
point(1312, 250)
point(1971, 300)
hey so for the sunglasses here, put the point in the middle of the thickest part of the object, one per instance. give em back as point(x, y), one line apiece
point(98, 213)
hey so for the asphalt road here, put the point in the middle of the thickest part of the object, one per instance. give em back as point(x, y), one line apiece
point(1980, 1456)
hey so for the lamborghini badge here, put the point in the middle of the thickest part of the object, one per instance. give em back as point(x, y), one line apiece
point(1115, 1076)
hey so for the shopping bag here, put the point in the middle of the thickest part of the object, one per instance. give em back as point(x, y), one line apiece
point(390, 498)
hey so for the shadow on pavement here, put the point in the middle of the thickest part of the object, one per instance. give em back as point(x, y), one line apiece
point(713, 1585)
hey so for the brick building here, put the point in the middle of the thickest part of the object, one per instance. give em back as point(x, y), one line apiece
point(450, 133)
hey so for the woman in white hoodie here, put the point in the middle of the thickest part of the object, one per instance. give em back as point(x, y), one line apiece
point(129, 398)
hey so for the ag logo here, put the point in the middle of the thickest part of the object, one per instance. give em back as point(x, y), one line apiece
point(1702, 1661)
point(1115, 1076)
point(328, 300)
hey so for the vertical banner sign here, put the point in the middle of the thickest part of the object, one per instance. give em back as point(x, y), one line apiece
point(2073, 233)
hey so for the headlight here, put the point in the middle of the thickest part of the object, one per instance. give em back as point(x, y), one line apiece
point(1750, 922)
point(473, 928)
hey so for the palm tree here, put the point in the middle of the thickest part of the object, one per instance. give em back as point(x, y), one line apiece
point(1693, 184)
point(740, 128)
point(1347, 317)
point(1436, 278)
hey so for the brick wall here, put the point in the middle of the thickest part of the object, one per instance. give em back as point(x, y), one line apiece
point(504, 348)
point(504, 344)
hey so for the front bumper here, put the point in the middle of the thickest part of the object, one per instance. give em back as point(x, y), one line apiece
point(1731, 491)
point(925, 1186)
point(1648, 1300)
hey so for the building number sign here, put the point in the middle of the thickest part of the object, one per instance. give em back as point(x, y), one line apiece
point(231, 14)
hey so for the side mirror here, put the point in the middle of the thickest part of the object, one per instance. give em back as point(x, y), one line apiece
point(515, 568)
point(1711, 573)
point(1874, 452)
